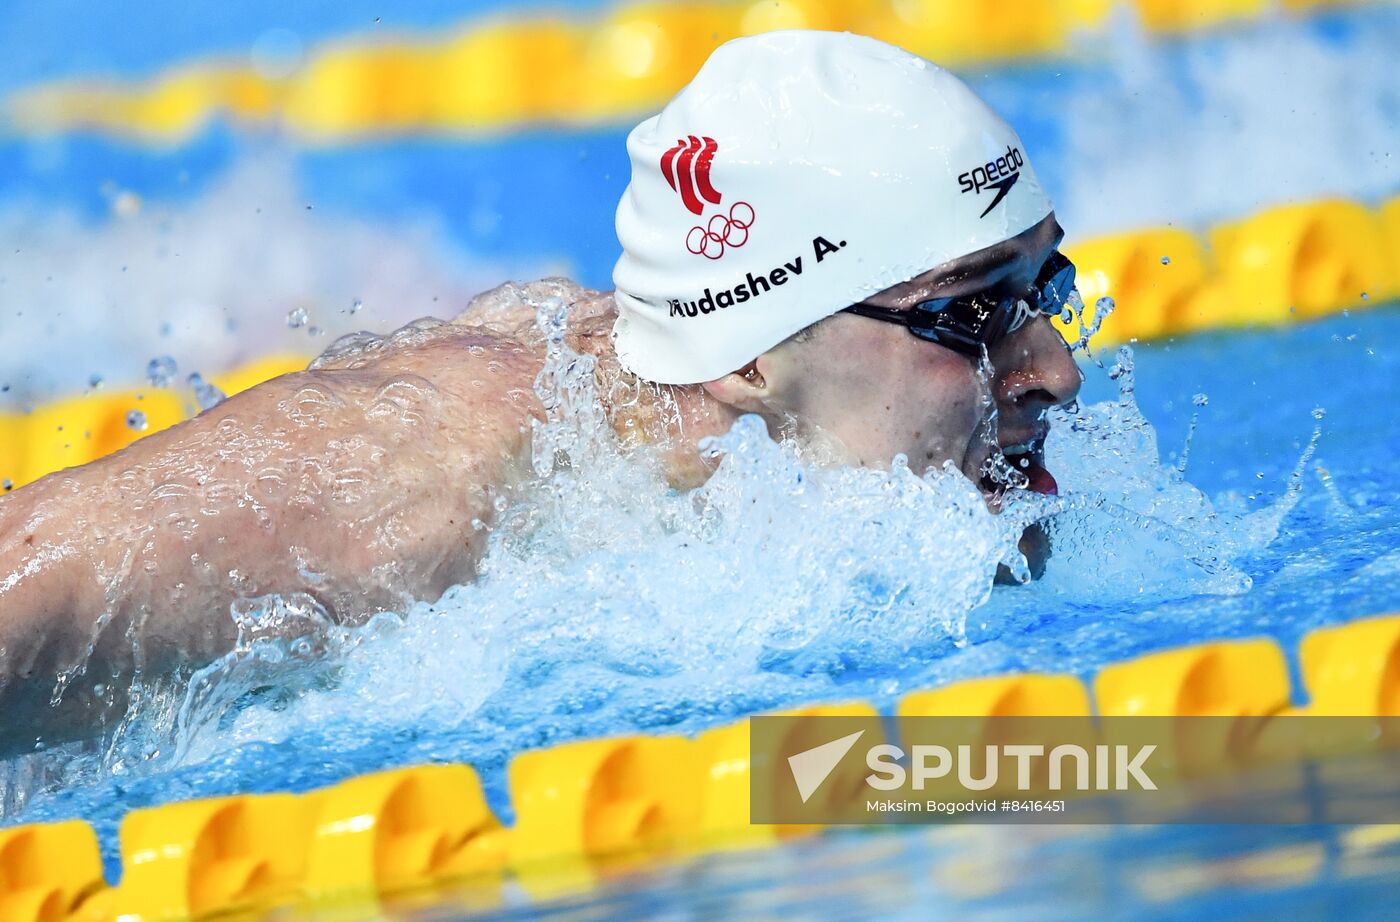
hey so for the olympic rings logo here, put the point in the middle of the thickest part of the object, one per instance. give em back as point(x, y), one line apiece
point(710, 239)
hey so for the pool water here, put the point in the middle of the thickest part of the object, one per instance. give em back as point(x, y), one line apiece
point(1020, 873)
point(610, 606)
point(1237, 484)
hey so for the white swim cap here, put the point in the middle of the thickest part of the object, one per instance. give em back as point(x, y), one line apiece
point(798, 173)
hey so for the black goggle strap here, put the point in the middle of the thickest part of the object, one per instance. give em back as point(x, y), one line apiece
point(875, 312)
point(960, 323)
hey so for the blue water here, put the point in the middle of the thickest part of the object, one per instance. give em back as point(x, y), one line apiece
point(835, 585)
point(1068, 873)
point(590, 645)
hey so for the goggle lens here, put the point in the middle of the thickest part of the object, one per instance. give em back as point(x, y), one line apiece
point(970, 323)
point(1054, 284)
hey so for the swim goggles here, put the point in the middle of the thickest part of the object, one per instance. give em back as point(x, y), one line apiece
point(971, 323)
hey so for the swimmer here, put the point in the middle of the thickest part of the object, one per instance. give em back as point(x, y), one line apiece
point(820, 229)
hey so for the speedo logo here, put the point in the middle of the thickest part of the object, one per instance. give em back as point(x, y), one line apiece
point(999, 174)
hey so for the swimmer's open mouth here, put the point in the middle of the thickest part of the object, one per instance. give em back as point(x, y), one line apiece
point(1026, 458)
point(1030, 460)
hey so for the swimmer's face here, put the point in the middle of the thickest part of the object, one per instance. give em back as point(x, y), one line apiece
point(880, 391)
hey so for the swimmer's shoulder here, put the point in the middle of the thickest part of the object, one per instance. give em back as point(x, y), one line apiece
point(521, 311)
point(517, 316)
point(488, 355)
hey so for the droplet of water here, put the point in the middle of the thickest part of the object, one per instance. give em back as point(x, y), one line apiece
point(161, 370)
point(136, 420)
point(1318, 412)
point(1103, 308)
point(297, 317)
point(205, 394)
point(7, 484)
point(1365, 296)
point(356, 305)
point(1200, 400)
point(314, 330)
point(1166, 260)
point(94, 381)
point(209, 396)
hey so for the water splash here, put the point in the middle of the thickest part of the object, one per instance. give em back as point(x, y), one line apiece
point(283, 647)
point(1198, 401)
point(608, 602)
point(1338, 502)
point(1263, 526)
point(173, 280)
point(1278, 90)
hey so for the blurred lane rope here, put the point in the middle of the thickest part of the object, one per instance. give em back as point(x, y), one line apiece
point(521, 69)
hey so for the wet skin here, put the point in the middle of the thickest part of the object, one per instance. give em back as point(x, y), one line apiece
point(358, 480)
point(882, 391)
point(878, 390)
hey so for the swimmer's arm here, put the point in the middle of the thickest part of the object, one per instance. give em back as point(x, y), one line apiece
point(357, 487)
point(40, 595)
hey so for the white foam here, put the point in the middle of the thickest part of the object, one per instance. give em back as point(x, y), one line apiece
point(765, 584)
point(1264, 113)
point(209, 282)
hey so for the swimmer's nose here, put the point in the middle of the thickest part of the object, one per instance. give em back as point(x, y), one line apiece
point(1035, 370)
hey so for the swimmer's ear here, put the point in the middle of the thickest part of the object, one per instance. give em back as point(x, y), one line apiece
point(745, 389)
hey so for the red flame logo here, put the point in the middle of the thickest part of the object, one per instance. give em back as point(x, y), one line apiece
point(687, 169)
